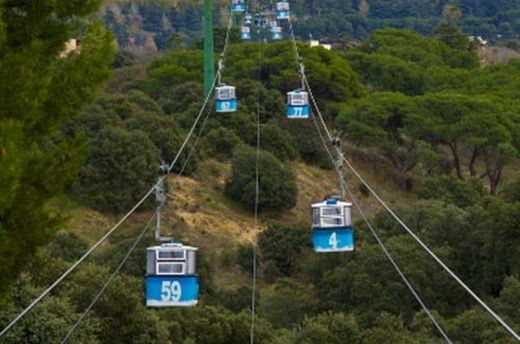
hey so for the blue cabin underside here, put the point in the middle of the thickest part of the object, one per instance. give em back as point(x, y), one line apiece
point(298, 111)
point(333, 239)
point(226, 105)
point(172, 291)
point(238, 7)
point(282, 14)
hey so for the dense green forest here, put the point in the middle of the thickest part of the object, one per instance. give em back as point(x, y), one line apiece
point(438, 132)
point(149, 25)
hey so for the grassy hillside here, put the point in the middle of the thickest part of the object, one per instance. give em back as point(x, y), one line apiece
point(200, 214)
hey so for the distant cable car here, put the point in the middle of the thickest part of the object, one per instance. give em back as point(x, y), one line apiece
point(332, 226)
point(245, 33)
point(298, 104)
point(248, 20)
point(238, 5)
point(276, 33)
point(226, 100)
point(171, 276)
point(282, 10)
point(261, 22)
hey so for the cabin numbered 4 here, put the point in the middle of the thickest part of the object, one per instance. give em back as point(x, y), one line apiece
point(226, 99)
point(332, 226)
point(171, 278)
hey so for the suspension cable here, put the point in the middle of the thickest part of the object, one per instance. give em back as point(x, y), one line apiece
point(123, 261)
point(376, 236)
point(257, 195)
point(107, 282)
point(410, 232)
point(113, 229)
point(391, 212)
point(136, 206)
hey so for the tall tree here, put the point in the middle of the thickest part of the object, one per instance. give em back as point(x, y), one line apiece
point(41, 85)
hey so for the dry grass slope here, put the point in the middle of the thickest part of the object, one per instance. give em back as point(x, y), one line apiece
point(200, 214)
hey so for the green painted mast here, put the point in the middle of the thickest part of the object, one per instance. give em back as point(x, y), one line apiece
point(209, 61)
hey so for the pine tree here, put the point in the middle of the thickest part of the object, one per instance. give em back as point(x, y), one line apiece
point(40, 87)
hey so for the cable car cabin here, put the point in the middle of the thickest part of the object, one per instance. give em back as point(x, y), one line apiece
point(245, 33)
point(298, 104)
point(238, 5)
point(226, 100)
point(171, 277)
point(332, 226)
point(282, 10)
point(248, 19)
point(276, 33)
point(261, 21)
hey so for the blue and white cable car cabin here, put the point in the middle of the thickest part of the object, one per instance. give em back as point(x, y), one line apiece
point(238, 5)
point(332, 226)
point(171, 276)
point(282, 10)
point(276, 33)
point(248, 19)
point(245, 33)
point(298, 104)
point(226, 100)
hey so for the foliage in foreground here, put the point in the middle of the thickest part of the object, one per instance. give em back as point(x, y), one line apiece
point(39, 89)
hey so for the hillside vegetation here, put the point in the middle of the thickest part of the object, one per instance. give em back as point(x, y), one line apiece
point(432, 130)
point(146, 26)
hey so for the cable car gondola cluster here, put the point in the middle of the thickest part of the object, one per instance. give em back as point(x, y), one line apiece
point(171, 277)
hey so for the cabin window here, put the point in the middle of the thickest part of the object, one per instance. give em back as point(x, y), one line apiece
point(170, 268)
point(331, 211)
point(332, 221)
point(282, 6)
point(316, 216)
point(171, 255)
point(226, 93)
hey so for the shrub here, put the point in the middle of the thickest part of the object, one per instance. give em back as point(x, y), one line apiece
point(283, 245)
point(121, 166)
point(219, 143)
point(277, 141)
point(236, 299)
point(511, 191)
point(245, 257)
point(277, 184)
point(450, 189)
point(308, 142)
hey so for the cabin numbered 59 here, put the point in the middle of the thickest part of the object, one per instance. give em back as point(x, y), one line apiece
point(332, 226)
point(171, 279)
